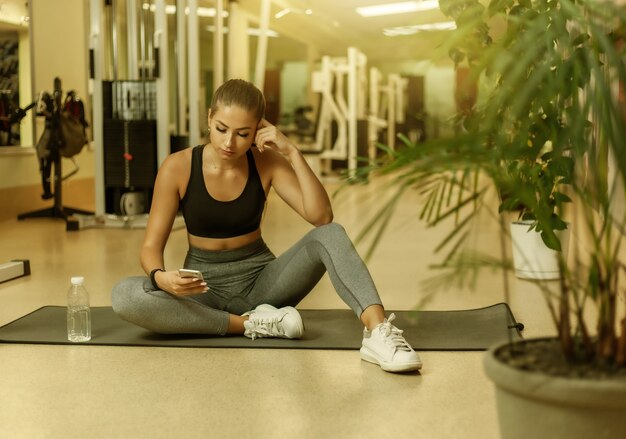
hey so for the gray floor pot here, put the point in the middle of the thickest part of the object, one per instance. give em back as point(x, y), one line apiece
point(534, 405)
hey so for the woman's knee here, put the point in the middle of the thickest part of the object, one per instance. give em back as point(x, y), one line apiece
point(123, 293)
point(333, 236)
point(332, 232)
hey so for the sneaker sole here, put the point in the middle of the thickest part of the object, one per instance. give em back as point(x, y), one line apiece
point(369, 356)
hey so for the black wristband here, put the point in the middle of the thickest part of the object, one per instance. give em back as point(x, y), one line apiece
point(152, 278)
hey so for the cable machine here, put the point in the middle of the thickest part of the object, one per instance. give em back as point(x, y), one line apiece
point(130, 108)
point(131, 100)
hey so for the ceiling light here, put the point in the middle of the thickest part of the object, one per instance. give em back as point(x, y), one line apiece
point(397, 8)
point(201, 11)
point(282, 13)
point(254, 31)
point(204, 12)
point(250, 31)
point(286, 11)
point(411, 30)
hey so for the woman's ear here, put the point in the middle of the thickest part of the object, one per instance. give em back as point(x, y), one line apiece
point(262, 124)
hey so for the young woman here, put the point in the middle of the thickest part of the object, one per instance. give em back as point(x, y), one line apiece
point(243, 288)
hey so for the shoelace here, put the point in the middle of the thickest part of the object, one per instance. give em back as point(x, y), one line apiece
point(394, 335)
point(263, 327)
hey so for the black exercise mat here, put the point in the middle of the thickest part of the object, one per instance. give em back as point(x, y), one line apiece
point(465, 330)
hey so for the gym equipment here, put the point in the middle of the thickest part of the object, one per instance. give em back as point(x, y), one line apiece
point(341, 83)
point(9, 117)
point(464, 330)
point(355, 112)
point(129, 147)
point(387, 109)
point(9, 91)
point(13, 117)
point(377, 106)
point(53, 145)
point(129, 143)
point(130, 110)
point(14, 269)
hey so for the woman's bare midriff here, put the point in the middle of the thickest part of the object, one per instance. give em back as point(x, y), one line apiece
point(223, 243)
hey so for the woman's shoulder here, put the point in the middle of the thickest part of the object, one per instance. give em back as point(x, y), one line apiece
point(177, 165)
point(179, 158)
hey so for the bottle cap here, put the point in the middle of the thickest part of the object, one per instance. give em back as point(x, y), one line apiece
point(77, 280)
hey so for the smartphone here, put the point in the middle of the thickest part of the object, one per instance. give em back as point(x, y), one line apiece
point(185, 272)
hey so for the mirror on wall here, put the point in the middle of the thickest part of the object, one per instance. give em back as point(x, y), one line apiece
point(9, 88)
point(15, 78)
point(287, 69)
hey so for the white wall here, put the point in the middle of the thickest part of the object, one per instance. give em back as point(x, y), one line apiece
point(294, 86)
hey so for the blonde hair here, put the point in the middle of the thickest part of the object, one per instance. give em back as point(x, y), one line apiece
point(242, 94)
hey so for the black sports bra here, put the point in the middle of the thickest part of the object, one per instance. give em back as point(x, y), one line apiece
point(210, 218)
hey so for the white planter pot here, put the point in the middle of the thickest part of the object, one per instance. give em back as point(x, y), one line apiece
point(531, 258)
point(534, 405)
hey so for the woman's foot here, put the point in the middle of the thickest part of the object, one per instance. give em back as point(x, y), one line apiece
point(384, 345)
point(268, 321)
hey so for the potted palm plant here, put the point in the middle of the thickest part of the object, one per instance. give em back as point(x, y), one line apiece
point(548, 133)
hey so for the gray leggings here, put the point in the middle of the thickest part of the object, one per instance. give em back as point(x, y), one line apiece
point(241, 279)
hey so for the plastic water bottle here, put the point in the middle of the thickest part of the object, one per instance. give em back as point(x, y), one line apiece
point(78, 312)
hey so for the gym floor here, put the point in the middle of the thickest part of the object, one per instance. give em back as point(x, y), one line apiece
point(136, 392)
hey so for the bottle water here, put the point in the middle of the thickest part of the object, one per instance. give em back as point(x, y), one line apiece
point(78, 312)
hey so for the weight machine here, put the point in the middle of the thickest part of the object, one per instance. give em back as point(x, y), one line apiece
point(342, 83)
point(387, 108)
point(355, 110)
point(126, 162)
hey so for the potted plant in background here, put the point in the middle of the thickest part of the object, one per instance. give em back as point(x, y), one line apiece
point(535, 166)
point(549, 132)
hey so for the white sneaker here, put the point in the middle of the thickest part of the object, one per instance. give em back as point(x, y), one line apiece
point(268, 321)
point(384, 345)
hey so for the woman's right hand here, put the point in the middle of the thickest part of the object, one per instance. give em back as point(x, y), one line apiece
point(175, 284)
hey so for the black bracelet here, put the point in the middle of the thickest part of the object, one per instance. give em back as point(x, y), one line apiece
point(152, 278)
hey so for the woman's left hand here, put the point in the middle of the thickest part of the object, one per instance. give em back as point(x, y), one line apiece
point(268, 136)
